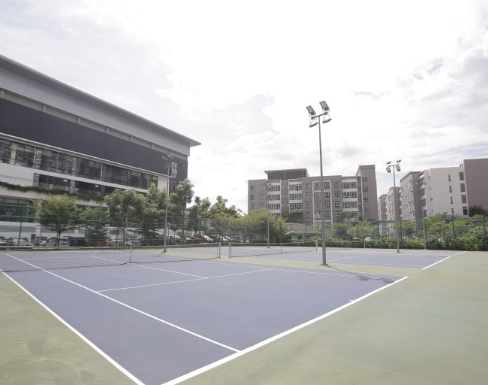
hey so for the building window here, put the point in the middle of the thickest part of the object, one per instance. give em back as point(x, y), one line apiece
point(252, 197)
point(294, 197)
point(337, 204)
point(327, 204)
point(463, 187)
point(450, 189)
point(307, 205)
point(349, 194)
point(461, 175)
point(364, 178)
point(307, 195)
point(295, 206)
point(449, 177)
point(295, 187)
point(365, 189)
point(452, 201)
point(349, 185)
point(337, 194)
point(465, 210)
point(274, 188)
point(463, 199)
point(307, 214)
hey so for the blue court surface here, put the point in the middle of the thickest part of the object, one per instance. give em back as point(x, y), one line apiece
point(161, 323)
point(413, 259)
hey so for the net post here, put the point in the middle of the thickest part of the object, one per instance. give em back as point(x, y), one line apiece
point(230, 249)
point(316, 245)
point(220, 250)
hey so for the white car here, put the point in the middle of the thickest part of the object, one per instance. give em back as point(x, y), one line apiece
point(52, 242)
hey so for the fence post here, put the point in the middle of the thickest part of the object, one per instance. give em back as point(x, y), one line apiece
point(426, 241)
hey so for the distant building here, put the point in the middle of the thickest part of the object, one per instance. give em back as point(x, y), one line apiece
point(410, 198)
point(476, 182)
point(293, 191)
point(392, 204)
point(443, 191)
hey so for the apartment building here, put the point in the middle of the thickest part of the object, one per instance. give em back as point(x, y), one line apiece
point(410, 197)
point(56, 137)
point(443, 191)
point(476, 182)
point(294, 192)
point(392, 204)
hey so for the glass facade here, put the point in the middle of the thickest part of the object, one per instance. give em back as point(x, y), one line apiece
point(48, 160)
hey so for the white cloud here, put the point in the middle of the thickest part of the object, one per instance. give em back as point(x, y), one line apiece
point(404, 80)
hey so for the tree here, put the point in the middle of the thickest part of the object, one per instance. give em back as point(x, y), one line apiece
point(180, 197)
point(58, 214)
point(199, 214)
point(123, 206)
point(361, 230)
point(477, 210)
point(153, 215)
point(280, 228)
point(95, 220)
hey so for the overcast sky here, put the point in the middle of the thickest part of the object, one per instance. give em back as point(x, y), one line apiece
point(404, 80)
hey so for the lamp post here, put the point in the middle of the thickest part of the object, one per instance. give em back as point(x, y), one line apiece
point(390, 166)
point(168, 160)
point(314, 120)
point(268, 187)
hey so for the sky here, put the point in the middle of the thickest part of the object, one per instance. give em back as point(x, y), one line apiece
point(404, 80)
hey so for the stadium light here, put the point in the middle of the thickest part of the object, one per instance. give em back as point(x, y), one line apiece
point(390, 166)
point(168, 161)
point(314, 120)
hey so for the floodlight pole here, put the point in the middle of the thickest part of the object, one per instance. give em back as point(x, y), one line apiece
point(313, 116)
point(267, 206)
point(390, 165)
point(322, 193)
point(168, 161)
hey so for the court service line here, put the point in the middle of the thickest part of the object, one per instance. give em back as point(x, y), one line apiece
point(131, 307)
point(187, 280)
point(274, 338)
point(91, 344)
point(435, 263)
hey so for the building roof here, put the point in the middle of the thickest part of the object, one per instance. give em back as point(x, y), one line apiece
point(48, 81)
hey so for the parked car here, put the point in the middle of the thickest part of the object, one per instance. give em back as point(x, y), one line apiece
point(18, 242)
point(77, 241)
point(39, 240)
point(52, 242)
point(114, 242)
point(3, 241)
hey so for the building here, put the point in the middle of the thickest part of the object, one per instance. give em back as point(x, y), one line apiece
point(56, 137)
point(392, 204)
point(476, 181)
point(443, 191)
point(294, 193)
point(410, 198)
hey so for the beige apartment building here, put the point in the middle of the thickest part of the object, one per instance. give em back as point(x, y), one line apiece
point(294, 192)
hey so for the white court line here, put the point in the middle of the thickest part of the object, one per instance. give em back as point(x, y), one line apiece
point(442, 260)
point(95, 347)
point(188, 280)
point(269, 340)
point(130, 307)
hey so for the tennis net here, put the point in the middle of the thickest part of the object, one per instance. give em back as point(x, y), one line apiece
point(36, 259)
point(262, 249)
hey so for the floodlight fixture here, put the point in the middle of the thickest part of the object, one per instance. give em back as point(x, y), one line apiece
point(398, 167)
point(326, 119)
point(388, 169)
point(313, 124)
point(311, 111)
point(324, 106)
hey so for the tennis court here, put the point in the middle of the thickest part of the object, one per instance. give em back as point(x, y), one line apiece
point(161, 320)
point(413, 259)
